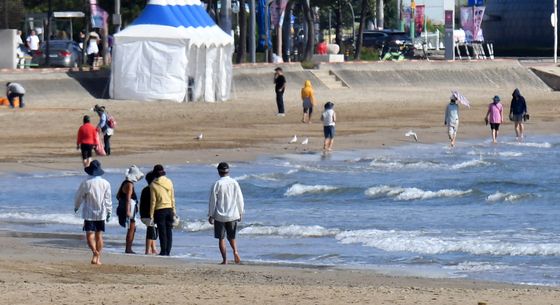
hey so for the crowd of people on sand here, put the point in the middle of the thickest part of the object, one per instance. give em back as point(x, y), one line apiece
point(156, 208)
point(494, 117)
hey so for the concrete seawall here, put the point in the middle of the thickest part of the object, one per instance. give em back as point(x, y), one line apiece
point(426, 76)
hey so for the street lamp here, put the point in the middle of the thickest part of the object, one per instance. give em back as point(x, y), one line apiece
point(555, 24)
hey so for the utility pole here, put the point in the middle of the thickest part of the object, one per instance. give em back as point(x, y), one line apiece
point(225, 16)
point(555, 31)
point(117, 16)
point(48, 32)
point(252, 22)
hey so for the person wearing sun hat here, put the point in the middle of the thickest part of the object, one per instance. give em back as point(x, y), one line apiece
point(127, 208)
point(495, 116)
point(225, 209)
point(94, 197)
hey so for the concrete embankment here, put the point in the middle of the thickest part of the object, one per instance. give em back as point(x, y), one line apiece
point(48, 84)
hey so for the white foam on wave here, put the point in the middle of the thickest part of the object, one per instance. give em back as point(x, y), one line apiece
point(479, 267)
point(300, 189)
point(470, 163)
point(510, 154)
point(531, 144)
point(397, 164)
point(290, 231)
point(35, 219)
point(264, 177)
point(58, 174)
point(197, 226)
point(431, 243)
point(412, 193)
point(506, 197)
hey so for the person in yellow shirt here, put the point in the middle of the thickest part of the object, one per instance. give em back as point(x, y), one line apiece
point(308, 98)
point(162, 208)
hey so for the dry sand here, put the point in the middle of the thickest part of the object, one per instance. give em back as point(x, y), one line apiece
point(41, 137)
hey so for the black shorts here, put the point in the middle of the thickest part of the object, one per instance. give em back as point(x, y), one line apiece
point(221, 228)
point(151, 233)
point(495, 126)
point(86, 150)
point(94, 225)
point(329, 132)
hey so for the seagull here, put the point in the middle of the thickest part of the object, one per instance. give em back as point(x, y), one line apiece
point(411, 133)
point(304, 142)
point(199, 137)
point(293, 140)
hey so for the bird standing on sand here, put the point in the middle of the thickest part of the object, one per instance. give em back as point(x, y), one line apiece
point(199, 137)
point(294, 139)
point(304, 142)
point(411, 133)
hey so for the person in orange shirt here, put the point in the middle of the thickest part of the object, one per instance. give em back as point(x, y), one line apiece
point(308, 98)
point(87, 140)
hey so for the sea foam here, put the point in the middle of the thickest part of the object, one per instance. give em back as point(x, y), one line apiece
point(290, 231)
point(400, 193)
point(301, 189)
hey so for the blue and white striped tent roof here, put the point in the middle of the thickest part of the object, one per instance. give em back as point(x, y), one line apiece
point(176, 19)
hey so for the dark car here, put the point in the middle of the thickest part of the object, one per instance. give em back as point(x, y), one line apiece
point(62, 53)
point(379, 39)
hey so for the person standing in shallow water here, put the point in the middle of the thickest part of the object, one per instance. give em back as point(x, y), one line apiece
point(94, 196)
point(225, 209)
point(329, 121)
point(279, 88)
point(151, 233)
point(517, 113)
point(495, 116)
point(128, 200)
point(452, 119)
point(87, 140)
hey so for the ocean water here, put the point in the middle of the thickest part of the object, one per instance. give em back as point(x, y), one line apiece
point(478, 211)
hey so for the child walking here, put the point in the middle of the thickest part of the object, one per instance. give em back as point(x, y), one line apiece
point(329, 120)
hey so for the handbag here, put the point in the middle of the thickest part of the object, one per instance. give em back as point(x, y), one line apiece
point(176, 221)
point(526, 117)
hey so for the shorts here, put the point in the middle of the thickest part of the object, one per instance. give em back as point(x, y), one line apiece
point(329, 132)
point(86, 150)
point(452, 131)
point(151, 233)
point(516, 117)
point(307, 106)
point(94, 226)
point(221, 228)
point(495, 126)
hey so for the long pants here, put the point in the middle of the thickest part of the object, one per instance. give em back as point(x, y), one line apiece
point(164, 221)
point(280, 101)
point(107, 143)
point(11, 99)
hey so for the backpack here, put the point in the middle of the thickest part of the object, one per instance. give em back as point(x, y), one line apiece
point(111, 122)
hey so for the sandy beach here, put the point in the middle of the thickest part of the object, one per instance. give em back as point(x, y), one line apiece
point(40, 269)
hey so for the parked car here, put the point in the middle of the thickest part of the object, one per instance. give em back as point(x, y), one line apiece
point(62, 53)
point(379, 38)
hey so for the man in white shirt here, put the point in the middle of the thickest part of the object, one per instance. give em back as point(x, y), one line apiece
point(94, 195)
point(225, 209)
point(33, 41)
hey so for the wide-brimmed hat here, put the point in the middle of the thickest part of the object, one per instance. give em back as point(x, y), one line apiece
point(278, 69)
point(133, 174)
point(94, 169)
point(223, 167)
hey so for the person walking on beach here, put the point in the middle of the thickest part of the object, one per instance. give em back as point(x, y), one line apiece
point(225, 209)
point(87, 140)
point(518, 113)
point(104, 128)
point(279, 88)
point(452, 119)
point(14, 90)
point(495, 116)
point(94, 196)
point(162, 208)
point(329, 121)
point(151, 233)
point(127, 208)
point(308, 98)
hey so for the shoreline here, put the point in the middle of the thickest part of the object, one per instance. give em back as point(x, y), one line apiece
point(125, 279)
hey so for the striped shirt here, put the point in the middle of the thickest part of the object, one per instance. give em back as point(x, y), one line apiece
point(94, 195)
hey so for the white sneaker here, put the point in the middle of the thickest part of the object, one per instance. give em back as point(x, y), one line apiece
point(281, 114)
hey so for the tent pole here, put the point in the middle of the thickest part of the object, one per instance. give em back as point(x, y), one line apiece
point(225, 16)
point(252, 23)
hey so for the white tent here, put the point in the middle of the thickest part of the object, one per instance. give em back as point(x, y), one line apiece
point(170, 43)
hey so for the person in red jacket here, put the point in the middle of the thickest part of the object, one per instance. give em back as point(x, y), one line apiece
point(87, 140)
